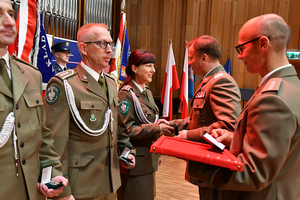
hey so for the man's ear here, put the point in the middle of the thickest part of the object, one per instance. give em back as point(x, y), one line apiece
point(264, 42)
point(82, 48)
point(204, 57)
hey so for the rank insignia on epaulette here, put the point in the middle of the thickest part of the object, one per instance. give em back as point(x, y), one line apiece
point(126, 87)
point(200, 95)
point(124, 106)
point(218, 75)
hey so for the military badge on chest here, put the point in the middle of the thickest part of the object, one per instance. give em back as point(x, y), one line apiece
point(200, 95)
point(93, 118)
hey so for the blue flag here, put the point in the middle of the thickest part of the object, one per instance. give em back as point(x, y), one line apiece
point(227, 66)
point(125, 54)
point(44, 57)
point(191, 83)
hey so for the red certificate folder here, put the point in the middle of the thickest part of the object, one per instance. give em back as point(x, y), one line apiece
point(196, 151)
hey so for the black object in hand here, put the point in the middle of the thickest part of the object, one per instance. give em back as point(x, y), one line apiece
point(176, 130)
point(53, 184)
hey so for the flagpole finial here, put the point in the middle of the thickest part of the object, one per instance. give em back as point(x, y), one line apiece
point(123, 5)
point(170, 40)
point(185, 41)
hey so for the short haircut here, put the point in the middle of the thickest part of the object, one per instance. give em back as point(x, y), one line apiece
point(206, 44)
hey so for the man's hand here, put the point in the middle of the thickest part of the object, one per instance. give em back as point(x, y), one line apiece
point(163, 121)
point(130, 157)
point(182, 134)
point(44, 190)
point(166, 129)
point(222, 135)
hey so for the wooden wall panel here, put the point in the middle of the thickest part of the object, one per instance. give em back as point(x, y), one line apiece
point(152, 23)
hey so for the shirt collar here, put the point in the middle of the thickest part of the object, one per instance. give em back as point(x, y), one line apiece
point(7, 66)
point(94, 74)
point(209, 72)
point(5, 57)
point(61, 66)
point(138, 86)
point(272, 72)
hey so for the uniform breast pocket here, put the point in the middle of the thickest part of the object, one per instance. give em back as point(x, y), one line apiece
point(33, 113)
point(198, 106)
point(92, 112)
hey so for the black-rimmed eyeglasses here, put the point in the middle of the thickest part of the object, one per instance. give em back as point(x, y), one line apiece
point(238, 48)
point(103, 44)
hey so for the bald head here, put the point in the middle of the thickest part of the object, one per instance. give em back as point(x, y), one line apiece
point(88, 32)
point(270, 25)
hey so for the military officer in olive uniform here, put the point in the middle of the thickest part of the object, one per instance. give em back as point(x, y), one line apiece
point(26, 144)
point(140, 115)
point(267, 135)
point(82, 109)
point(216, 103)
point(61, 52)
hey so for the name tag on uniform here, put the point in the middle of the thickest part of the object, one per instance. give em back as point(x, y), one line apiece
point(200, 95)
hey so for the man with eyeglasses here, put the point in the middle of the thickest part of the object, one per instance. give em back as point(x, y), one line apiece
point(82, 106)
point(267, 135)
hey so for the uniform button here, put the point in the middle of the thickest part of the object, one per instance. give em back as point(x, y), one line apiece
point(111, 146)
point(22, 144)
point(17, 107)
point(37, 101)
point(93, 105)
point(23, 161)
point(76, 162)
point(18, 124)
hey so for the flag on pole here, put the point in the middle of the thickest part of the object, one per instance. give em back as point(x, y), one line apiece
point(121, 52)
point(192, 79)
point(171, 83)
point(42, 55)
point(125, 55)
point(26, 27)
point(227, 66)
point(183, 107)
point(31, 44)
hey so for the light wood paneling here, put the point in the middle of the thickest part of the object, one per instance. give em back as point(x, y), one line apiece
point(152, 23)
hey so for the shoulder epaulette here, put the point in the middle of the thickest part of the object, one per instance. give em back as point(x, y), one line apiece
point(23, 62)
point(146, 87)
point(66, 74)
point(272, 85)
point(110, 76)
point(218, 75)
point(126, 87)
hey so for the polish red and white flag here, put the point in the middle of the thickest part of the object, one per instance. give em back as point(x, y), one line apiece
point(171, 83)
point(183, 108)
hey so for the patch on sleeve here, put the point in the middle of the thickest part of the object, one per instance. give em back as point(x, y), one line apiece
point(52, 94)
point(124, 106)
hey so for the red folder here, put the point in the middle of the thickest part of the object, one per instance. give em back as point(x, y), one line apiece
point(196, 151)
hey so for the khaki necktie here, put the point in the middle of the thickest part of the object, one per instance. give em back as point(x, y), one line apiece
point(145, 94)
point(4, 74)
point(102, 83)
